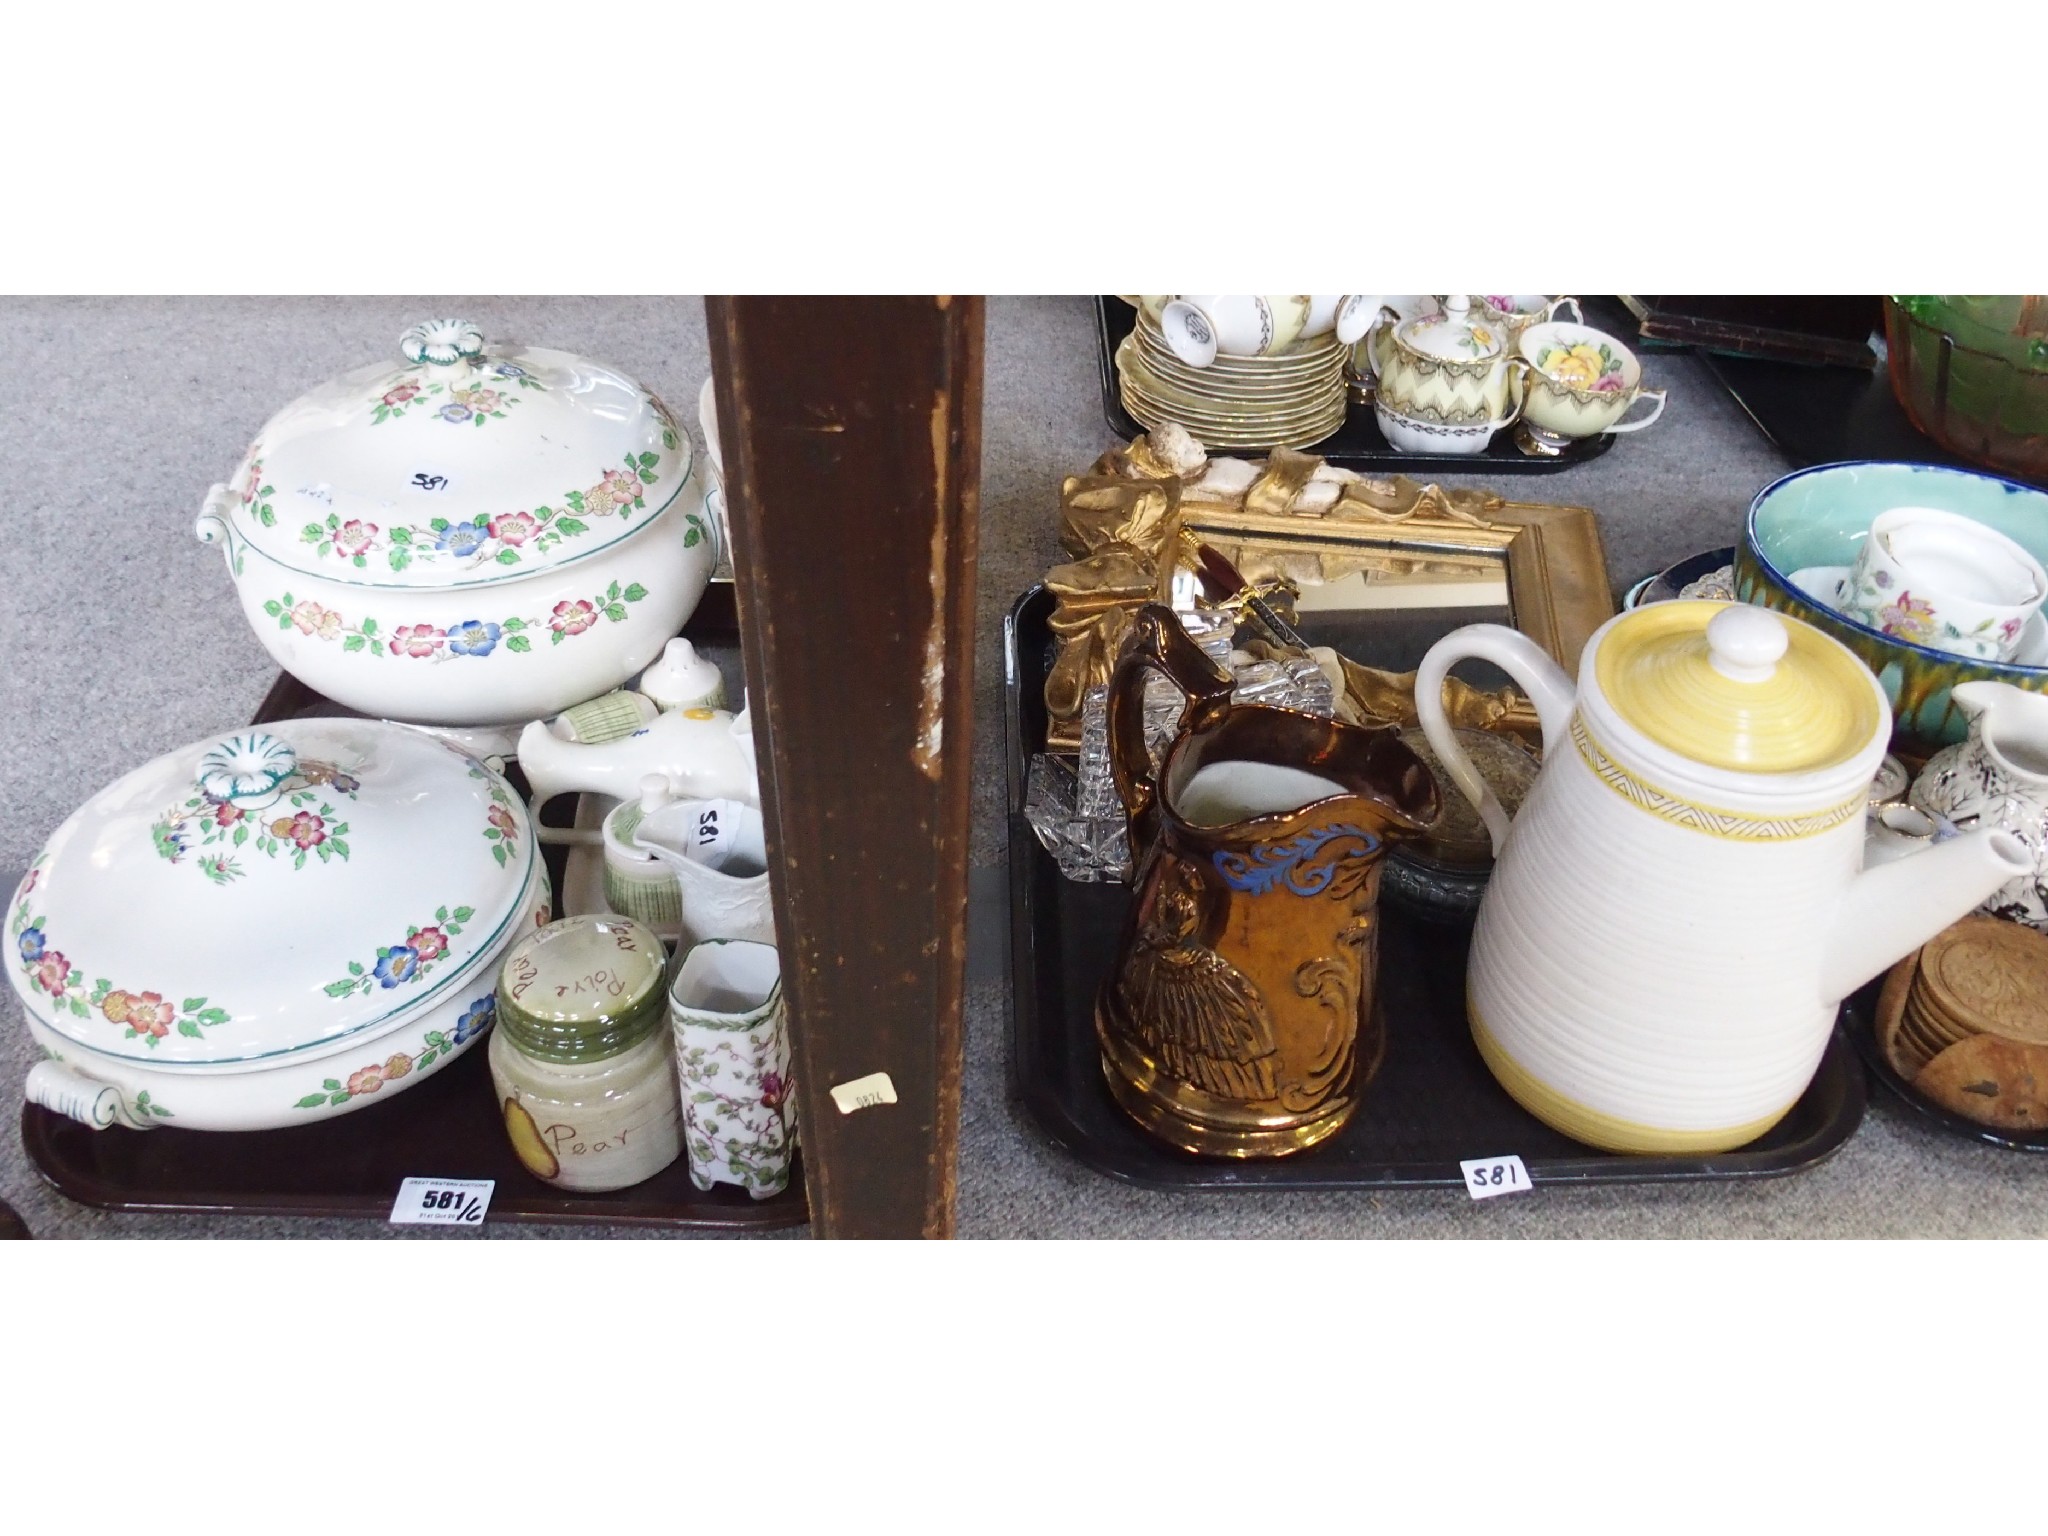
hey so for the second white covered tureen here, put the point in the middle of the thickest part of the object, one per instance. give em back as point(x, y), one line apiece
point(473, 535)
point(271, 927)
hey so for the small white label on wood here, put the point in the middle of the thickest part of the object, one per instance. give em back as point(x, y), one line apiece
point(443, 1202)
point(1486, 1177)
point(864, 1093)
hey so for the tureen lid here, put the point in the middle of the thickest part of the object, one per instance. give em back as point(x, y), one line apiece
point(1457, 335)
point(1731, 686)
point(270, 891)
point(461, 462)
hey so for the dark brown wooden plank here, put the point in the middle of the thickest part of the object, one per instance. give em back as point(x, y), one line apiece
point(851, 434)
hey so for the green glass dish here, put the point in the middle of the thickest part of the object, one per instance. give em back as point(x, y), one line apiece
point(1972, 373)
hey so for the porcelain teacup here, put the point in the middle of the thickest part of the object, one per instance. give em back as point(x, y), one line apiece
point(1200, 327)
point(1579, 383)
point(1942, 580)
point(1516, 312)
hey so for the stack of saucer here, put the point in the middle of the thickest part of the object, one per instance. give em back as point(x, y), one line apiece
point(1289, 400)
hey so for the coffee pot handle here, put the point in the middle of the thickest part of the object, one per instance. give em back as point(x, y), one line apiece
point(1546, 683)
point(1157, 642)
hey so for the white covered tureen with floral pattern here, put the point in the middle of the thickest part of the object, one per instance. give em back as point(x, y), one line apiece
point(472, 535)
point(271, 927)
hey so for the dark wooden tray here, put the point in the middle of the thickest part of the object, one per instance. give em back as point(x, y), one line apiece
point(1355, 445)
point(1433, 1104)
point(1831, 415)
point(447, 1127)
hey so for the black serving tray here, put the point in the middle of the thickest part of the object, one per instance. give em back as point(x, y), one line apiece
point(352, 1165)
point(1433, 1104)
point(1355, 445)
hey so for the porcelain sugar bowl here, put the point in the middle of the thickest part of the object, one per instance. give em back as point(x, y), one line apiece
point(1681, 903)
point(271, 927)
point(1446, 381)
point(469, 535)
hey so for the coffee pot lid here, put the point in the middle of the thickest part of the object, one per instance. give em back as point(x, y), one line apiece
point(1736, 687)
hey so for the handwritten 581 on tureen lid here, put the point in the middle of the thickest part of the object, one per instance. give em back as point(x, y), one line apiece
point(459, 462)
point(270, 891)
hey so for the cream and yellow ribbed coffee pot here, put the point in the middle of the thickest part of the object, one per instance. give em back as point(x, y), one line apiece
point(1680, 905)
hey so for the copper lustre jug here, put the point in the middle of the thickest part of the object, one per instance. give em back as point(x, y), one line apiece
point(1238, 1019)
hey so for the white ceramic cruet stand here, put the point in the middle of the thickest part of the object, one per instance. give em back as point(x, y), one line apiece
point(471, 535)
point(231, 928)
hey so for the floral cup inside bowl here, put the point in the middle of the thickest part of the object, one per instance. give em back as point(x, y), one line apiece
point(1805, 530)
point(1942, 580)
point(1580, 383)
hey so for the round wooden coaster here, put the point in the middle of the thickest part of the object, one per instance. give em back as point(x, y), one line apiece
point(1988, 976)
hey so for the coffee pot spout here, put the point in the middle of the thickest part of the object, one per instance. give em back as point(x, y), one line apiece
point(1892, 909)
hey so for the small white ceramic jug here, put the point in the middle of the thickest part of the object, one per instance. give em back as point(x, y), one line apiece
point(1998, 778)
point(1681, 903)
point(716, 856)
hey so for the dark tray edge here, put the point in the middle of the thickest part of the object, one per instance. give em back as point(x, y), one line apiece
point(507, 1206)
point(1836, 1071)
point(1513, 462)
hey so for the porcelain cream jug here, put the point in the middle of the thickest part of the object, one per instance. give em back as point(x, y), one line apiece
point(1998, 778)
point(1239, 1019)
point(1681, 903)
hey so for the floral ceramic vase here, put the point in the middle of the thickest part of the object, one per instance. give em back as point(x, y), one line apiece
point(732, 1065)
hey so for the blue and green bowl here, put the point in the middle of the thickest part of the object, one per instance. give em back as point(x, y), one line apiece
point(1821, 516)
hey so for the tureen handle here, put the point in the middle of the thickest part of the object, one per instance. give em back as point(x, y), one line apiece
point(213, 516)
point(87, 1100)
point(442, 343)
point(1546, 683)
point(249, 770)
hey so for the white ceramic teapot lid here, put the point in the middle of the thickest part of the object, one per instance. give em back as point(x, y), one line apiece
point(459, 462)
point(270, 890)
point(1459, 335)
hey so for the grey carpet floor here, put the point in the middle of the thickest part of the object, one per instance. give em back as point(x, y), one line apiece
point(119, 642)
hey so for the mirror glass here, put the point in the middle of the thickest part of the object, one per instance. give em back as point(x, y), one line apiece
point(1380, 608)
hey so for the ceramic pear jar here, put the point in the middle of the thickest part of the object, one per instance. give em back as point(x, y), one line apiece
point(1997, 778)
point(271, 927)
point(472, 535)
point(1681, 903)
